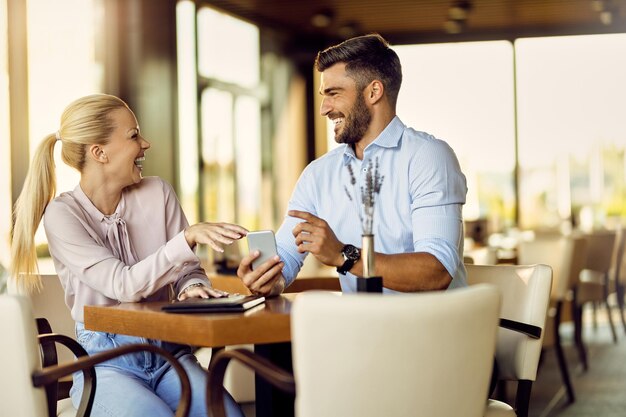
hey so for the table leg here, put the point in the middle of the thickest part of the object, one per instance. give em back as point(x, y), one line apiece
point(269, 400)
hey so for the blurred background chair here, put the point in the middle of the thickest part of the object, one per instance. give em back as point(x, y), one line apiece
point(372, 355)
point(617, 276)
point(525, 294)
point(566, 255)
point(592, 286)
point(24, 382)
point(484, 255)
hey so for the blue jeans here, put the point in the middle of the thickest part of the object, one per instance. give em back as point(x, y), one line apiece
point(142, 384)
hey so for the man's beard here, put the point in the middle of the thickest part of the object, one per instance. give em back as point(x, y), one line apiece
point(356, 123)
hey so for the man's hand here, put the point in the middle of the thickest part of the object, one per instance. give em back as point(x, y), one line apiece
point(266, 279)
point(315, 236)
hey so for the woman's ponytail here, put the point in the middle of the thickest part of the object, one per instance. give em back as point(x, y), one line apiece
point(38, 190)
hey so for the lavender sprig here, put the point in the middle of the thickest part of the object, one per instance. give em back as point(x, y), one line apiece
point(369, 191)
point(353, 182)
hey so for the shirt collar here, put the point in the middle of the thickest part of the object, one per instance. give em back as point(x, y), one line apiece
point(388, 138)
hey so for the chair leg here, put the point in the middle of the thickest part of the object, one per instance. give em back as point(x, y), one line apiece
point(522, 397)
point(214, 351)
point(610, 317)
point(594, 311)
point(619, 292)
point(558, 348)
point(501, 391)
point(577, 314)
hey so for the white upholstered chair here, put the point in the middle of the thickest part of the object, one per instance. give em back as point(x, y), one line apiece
point(49, 303)
point(239, 380)
point(427, 354)
point(566, 255)
point(23, 381)
point(525, 294)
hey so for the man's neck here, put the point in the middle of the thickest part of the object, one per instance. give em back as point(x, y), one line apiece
point(377, 125)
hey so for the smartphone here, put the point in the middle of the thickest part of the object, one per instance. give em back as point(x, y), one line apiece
point(263, 241)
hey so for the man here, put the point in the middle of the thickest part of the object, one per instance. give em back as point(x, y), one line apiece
point(417, 218)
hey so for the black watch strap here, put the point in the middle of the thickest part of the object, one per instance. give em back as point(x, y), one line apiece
point(350, 254)
point(347, 265)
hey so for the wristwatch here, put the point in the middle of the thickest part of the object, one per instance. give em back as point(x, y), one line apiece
point(350, 254)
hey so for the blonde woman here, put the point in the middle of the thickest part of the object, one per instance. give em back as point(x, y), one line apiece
point(117, 237)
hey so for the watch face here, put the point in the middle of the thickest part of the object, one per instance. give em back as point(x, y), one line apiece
point(351, 252)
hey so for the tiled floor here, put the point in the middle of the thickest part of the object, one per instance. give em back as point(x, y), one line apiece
point(600, 392)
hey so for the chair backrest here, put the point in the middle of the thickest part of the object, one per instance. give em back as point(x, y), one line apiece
point(600, 246)
point(566, 256)
point(50, 304)
point(485, 255)
point(525, 297)
point(549, 251)
point(19, 357)
point(576, 253)
point(427, 354)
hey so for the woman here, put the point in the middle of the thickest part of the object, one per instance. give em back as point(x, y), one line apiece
point(117, 237)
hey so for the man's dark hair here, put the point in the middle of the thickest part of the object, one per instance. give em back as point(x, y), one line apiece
point(367, 58)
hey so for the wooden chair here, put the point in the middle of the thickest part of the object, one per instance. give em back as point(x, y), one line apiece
point(24, 383)
point(392, 355)
point(525, 294)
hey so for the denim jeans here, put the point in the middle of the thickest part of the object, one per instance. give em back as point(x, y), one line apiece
point(142, 384)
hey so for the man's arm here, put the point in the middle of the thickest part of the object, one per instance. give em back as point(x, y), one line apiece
point(405, 272)
point(408, 272)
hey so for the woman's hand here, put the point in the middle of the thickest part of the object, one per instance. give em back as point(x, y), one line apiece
point(214, 234)
point(201, 291)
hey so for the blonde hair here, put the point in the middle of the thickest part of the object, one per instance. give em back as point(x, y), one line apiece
point(84, 122)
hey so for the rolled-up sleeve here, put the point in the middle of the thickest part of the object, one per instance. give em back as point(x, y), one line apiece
point(438, 192)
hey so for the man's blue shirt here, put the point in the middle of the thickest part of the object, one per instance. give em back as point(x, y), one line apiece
point(419, 208)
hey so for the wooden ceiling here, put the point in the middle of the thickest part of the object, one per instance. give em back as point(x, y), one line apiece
point(420, 21)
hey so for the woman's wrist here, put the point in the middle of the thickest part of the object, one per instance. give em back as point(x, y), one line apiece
point(192, 286)
point(188, 236)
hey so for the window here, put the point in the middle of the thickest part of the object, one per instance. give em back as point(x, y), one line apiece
point(572, 136)
point(61, 67)
point(463, 93)
point(229, 141)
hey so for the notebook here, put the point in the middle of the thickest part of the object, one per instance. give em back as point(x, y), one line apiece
point(231, 304)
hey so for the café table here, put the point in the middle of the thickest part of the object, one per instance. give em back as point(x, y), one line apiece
point(266, 326)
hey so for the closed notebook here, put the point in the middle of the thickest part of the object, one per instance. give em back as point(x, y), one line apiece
point(231, 304)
